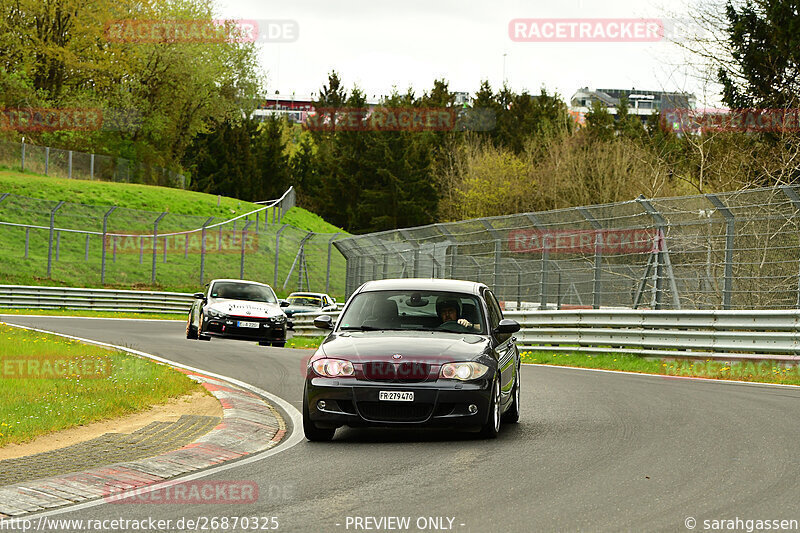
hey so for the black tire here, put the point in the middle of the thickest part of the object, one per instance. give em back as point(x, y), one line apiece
point(200, 335)
point(265, 343)
point(512, 415)
point(191, 331)
point(279, 344)
point(312, 432)
point(492, 426)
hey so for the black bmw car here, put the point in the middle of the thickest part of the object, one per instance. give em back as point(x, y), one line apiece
point(413, 353)
point(237, 309)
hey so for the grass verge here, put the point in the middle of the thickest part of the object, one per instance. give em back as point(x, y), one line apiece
point(754, 371)
point(304, 342)
point(37, 404)
point(90, 313)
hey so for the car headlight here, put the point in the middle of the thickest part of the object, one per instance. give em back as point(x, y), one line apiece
point(278, 319)
point(464, 371)
point(333, 368)
point(215, 314)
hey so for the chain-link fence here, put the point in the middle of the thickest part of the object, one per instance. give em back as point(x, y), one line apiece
point(89, 245)
point(738, 250)
point(79, 165)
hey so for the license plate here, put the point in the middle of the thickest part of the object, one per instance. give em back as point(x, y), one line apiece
point(247, 324)
point(396, 396)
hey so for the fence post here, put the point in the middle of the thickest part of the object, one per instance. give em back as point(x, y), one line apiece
point(155, 246)
point(141, 250)
point(186, 250)
point(203, 249)
point(793, 196)
point(91, 166)
point(598, 257)
point(277, 251)
point(69, 159)
point(545, 262)
point(86, 249)
point(103, 252)
point(730, 233)
point(452, 247)
point(23, 155)
point(415, 244)
point(663, 253)
point(46, 160)
point(244, 240)
point(328, 271)
point(27, 240)
point(498, 251)
point(50, 242)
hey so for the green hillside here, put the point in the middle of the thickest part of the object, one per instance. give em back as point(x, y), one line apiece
point(76, 261)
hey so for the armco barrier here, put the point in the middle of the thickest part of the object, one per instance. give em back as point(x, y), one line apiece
point(773, 334)
point(24, 297)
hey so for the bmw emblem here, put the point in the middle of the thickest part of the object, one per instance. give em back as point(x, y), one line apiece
point(397, 356)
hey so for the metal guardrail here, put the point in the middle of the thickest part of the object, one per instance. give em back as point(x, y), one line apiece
point(772, 335)
point(33, 297)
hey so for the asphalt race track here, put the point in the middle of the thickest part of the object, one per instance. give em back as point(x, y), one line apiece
point(594, 451)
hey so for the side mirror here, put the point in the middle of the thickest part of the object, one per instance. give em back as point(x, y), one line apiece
point(199, 296)
point(507, 327)
point(284, 303)
point(323, 322)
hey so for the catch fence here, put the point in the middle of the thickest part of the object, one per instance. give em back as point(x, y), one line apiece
point(736, 250)
point(88, 245)
point(72, 164)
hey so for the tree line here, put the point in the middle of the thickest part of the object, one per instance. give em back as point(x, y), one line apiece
point(196, 103)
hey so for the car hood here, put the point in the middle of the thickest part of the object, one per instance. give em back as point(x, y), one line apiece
point(245, 308)
point(418, 346)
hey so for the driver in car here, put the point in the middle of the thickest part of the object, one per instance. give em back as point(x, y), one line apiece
point(449, 310)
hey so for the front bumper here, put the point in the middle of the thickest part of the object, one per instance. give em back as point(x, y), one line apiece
point(440, 403)
point(228, 328)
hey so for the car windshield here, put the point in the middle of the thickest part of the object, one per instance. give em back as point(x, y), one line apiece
point(305, 300)
point(243, 291)
point(414, 310)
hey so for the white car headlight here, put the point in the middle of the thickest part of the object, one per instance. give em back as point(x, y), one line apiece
point(463, 371)
point(333, 368)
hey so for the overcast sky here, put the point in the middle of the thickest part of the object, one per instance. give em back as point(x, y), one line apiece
point(379, 44)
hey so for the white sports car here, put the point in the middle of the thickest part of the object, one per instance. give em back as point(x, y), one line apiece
point(237, 309)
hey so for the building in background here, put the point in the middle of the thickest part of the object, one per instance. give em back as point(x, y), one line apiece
point(640, 102)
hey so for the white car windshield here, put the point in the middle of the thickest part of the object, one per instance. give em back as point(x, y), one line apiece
point(243, 291)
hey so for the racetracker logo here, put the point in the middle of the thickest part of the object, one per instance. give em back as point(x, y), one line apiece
point(190, 492)
point(738, 120)
point(586, 30)
point(71, 119)
point(55, 367)
point(202, 31)
point(573, 241)
point(216, 242)
point(400, 119)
